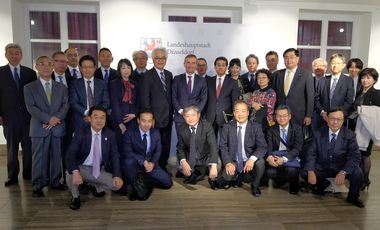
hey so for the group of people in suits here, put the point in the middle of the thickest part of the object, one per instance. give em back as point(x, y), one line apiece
point(107, 126)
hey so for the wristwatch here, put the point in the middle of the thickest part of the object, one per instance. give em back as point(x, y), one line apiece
point(343, 172)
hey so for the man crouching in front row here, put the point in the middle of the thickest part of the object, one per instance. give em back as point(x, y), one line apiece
point(93, 157)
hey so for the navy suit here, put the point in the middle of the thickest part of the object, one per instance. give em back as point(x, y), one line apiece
point(294, 144)
point(112, 74)
point(159, 101)
point(345, 156)
point(134, 155)
point(343, 94)
point(120, 108)
point(300, 97)
point(215, 106)
point(136, 76)
point(68, 77)
point(254, 145)
point(249, 85)
point(16, 119)
point(78, 99)
point(46, 143)
point(181, 97)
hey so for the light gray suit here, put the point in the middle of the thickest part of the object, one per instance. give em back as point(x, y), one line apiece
point(46, 143)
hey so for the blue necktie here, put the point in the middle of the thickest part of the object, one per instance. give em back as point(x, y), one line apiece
point(332, 146)
point(239, 154)
point(162, 78)
point(75, 73)
point(106, 75)
point(284, 136)
point(16, 77)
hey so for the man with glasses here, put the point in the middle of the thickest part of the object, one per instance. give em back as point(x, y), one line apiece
point(334, 90)
point(140, 58)
point(334, 152)
point(73, 62)
point(156, 96)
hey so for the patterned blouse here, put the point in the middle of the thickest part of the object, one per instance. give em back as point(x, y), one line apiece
point(266, 96)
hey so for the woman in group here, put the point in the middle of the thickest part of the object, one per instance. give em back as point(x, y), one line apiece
point(354, 66)
point(368, 95)
point(123, 96)
point(263, 100)
point(234, 69)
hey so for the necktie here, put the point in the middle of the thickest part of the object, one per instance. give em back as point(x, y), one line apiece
point(16, 77)
point(75, 73)
point(219, 87)
point(284, 136)
point(162, 78)
point(189, 85)
point(333, 86)
point(239, 154)
point(96, 157)
point(193, 151)
point(90, 95)
point(287, 83)
point(332, 146)
point(145, 142)
point(106, 75)
point(48, 91)
point(60, 78)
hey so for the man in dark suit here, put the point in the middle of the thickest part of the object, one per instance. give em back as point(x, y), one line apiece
point(47, 102)
point(196, 148)
point(334, 152)
point(13, 114)
point(188, 89)
point(105, 72)
point(142, 150)
point(294, 87)
point(156, 95)
point(252, 62)
point(202, 67)
point(87, 92)
point(73, 63)
point(285, 141)
point(140, 58)
point(93, 157)
point(242, 148)
point(335, 90)
point(271, 59)
point(222, 92)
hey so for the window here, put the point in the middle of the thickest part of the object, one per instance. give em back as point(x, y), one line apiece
point(201, 14)
point(321, 35)
point(57, 27)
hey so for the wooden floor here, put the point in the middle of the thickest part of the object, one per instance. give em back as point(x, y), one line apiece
point(189, 207)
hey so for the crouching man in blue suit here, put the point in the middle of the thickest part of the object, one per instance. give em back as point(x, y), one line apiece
point(93, 157)
point(142, 149)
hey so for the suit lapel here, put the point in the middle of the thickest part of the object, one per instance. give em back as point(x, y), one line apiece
point(40, 89)
point(104, 141)
point(226, 84)
point(234, 137)
point(83, 86)
point(198, 136)
point(296, 77)
point(325, 142)
point(339, 140)
point(328, 82)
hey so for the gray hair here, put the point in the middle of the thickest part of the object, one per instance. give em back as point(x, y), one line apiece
point(13, 45)
point(315, 61)
point(137, 52)
point(163, 49)
point(191, 108)
point(338, 55)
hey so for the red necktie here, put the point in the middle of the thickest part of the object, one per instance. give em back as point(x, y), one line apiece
point(219, 87)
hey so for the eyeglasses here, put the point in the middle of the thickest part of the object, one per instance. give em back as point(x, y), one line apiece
point(336, 63)
point(282, 116)
point(160, 58)
point(335, 119)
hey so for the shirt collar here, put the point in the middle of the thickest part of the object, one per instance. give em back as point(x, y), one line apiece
point(286, 127)
point(331, 132)
point(93, 132)
point(142, 132)
point(242, 125)
point(91, 79)
point(13, 67)
point(44, 81)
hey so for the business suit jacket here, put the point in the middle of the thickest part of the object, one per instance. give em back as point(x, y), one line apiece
point(343, 94)
point(69, 78)
point(346, 155)
point(205, 143)
point(181, 98)
point(156, 99)
point(294, 140)
point(112, 75)
point(41, 110)
point(136, 76)
point(80, 148)
point(254, 141)
point(371, 97)
point(134, 147)
point(228, 95)
point(300, 98)
point(120, 108)
point(12, 103)
point(249, 86)
point(78, 98)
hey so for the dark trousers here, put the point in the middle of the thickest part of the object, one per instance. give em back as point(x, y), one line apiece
point(157, 176)
point(283, 174)
point(165, 133)
point(46, 161)
point(252, 177)
point(14, 134)
point(355, 178)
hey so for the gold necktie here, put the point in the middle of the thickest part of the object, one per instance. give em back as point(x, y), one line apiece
point(48, 90)
point(287, 83)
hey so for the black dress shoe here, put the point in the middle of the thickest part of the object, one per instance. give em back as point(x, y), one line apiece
point(179, 174)
point(59, 187)
point(98, 194)
point(84, 188)
point(75, 203)
point(355, 201)
point(213, 184)
point(255, 191)
point(37, 192)
point(122, 191)
point(320, 188)
point(10, 181)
